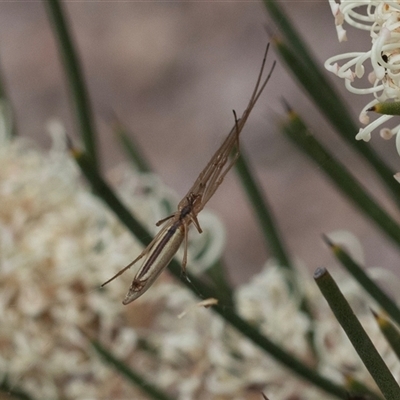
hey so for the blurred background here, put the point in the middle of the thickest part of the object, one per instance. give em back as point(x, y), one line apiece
point(173, 72)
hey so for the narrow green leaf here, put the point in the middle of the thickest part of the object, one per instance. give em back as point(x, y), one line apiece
point(75, 78)
point(300, 61)
point(220, 281)
point(283, 357)
point(297, 131)
point(337, 113)
point(388, 108)
point(356, 334)
point(292, 36)
point(130, 148)
point(13, 391)
point(357, 390)
point(303, 65)
point(365, 281)
point(201, 289)
point(8, 122)
point(268, 226)
point(129, 373)
point(104, 191)
point(261, 208)
point(390, 331)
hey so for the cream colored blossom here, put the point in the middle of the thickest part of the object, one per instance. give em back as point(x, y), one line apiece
point(381, 61)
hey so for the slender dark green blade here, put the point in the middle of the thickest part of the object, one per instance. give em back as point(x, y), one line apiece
point(305, 68)
point(263, 212)
point(75, 78)
point(390, 331)
point(132, 376)
point(292, 36)
point(269, 228)
point(365, 281)
point(13, 391)
point(217, 274)
point(104, 191)
point(388, 108)
point(131, 149)
point(300, 61)
point(298, 132)
point(359, 391)
point(337, 113)
point(7, 109)
point(357, 335)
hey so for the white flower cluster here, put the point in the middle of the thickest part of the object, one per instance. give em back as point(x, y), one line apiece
point(381, 20)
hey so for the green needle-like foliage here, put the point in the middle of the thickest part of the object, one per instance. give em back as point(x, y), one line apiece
point(338, 115)
point(130, 148)
point(356, 334)
point(306, 70)
point(303, 66)
point(134, 377)
point(365, 281)
point(13, 391)
point(220, 282)
point(296, 130)
point(388, 108)
point(267, 223)
point(318, 90)
point(263, 212)
point(76, 82)
point(357, 390)
point(6, 110)
point(390, 331)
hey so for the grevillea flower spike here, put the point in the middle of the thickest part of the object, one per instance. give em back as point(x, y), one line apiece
point(382, 60)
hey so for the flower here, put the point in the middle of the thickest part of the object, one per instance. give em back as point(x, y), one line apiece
point(381, 19)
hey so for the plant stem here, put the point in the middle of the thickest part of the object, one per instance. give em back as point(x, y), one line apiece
point(357, 335)
point(129, 373)
point(75, 78)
